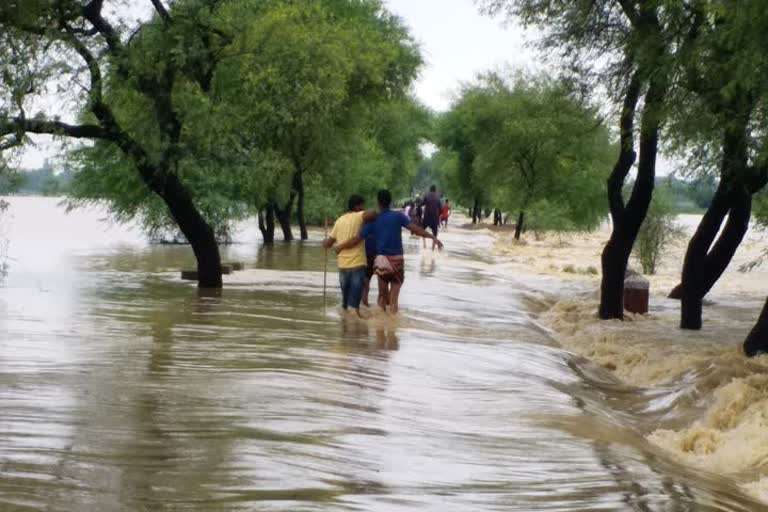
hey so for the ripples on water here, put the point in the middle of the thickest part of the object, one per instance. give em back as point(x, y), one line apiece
point(122, 388)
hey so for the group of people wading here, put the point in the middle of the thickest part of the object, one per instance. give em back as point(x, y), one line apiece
point(370, 243)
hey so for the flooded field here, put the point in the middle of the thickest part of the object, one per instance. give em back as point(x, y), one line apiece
point(123, 388)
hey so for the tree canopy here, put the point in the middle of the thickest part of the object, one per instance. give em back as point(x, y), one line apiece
point(530, 143)
point(317, 88)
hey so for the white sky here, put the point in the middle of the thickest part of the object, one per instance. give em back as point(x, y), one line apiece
point(458, 43)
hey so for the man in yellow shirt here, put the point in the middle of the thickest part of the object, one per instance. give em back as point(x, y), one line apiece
point(352, 262)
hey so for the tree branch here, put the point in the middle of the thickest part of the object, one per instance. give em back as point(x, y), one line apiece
point(161, 10)
point(93, 66)
point(92, 12)
point(19, 125)
point(83, 32)
point(13, 142)
point(627, 155)
point(630, 11)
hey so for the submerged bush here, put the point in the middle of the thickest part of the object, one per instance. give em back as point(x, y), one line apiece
point(658, 231)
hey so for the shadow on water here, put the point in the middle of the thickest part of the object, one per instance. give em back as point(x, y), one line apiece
point(123, 388)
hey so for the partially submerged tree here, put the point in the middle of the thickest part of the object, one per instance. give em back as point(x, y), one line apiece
point(719, 113)
point(382, 152)
point(526, 143)
point(621, 43)
point(215, 109)
point(174, 54)
point(537, 141)
point(456, 160)
point(313, 78)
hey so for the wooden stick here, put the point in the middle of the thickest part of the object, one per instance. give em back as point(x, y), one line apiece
point(325, 266)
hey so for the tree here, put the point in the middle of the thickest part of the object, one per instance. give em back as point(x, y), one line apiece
point(726, 91)
point(622, 43)
point(292, 88)
point(381, 153)
point(311, 79)
point(176, 53)
point(538, 142)
point(456, 159)
point(532, 141)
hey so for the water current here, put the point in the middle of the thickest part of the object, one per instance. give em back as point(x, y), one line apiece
point(123, 388)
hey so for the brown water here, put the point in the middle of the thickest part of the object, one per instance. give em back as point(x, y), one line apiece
point(124, 389)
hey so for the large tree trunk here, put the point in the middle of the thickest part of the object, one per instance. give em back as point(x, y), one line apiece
point(616, 252)
point(284, 219)
point(757, 340)
point(267, 224)
point(691, 289)
point(629, 219)
point(703, 267)
point(298, 185)
point(704, 262)
point(520, 223)
point(196, 230)
point(476, 213)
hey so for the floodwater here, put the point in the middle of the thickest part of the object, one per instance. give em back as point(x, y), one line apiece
point(123, 388)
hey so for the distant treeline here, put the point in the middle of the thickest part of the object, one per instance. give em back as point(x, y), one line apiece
point(45, 181)
point(687, 196)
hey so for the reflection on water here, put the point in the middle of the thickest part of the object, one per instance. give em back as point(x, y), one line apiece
point(123, 388)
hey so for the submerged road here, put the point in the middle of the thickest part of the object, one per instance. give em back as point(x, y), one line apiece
point(124, 389)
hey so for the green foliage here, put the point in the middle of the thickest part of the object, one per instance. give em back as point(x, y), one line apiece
point(318, 86)
point(379, 150)
point(760, 209)
point(10, 182)
point(724, 70)
point(528, 143)
point(588, 40)
point(658, 231)
point(544, 216)
point(104, 174)
point(323, 85)
point(689, 196)
point(44, 181)
point(456, 159)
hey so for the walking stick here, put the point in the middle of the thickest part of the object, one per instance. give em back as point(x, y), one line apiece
point(325, 266)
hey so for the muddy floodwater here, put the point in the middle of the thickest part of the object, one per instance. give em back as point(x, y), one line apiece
point(123, 388)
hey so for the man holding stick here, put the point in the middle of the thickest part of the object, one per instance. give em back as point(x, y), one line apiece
point(352, 262)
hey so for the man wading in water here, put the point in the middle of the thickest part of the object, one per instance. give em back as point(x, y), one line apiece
point(433, 207)
point(351, 261)
point(389, 263)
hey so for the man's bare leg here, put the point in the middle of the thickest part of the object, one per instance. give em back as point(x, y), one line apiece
point(394, 298)
point(383, 294)
point(366, 292)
